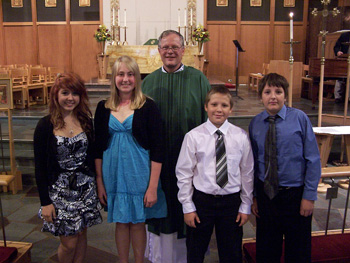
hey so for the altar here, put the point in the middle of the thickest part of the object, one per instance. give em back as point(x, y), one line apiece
point(146, 56)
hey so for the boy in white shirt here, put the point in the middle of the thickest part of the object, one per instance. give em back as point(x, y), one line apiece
point(215, 181)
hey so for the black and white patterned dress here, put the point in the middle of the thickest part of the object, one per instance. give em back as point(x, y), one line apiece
point(74, 193)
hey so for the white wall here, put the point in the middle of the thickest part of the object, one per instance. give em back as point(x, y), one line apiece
point(147, 19)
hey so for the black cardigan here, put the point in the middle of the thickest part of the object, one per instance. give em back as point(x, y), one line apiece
point(339, 46)
point(146, 128)
point(47, 167)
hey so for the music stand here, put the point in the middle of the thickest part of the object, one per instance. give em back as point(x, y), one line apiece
point(239, 49)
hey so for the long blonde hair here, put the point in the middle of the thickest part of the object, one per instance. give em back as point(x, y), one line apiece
point(138, 98)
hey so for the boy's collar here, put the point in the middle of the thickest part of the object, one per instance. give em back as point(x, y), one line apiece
point(282, 113)
point(212, 128)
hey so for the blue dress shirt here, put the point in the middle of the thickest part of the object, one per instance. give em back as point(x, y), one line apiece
point(298, 156)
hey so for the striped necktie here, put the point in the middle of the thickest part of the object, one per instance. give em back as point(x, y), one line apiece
point(271, 175)
point(221, 165)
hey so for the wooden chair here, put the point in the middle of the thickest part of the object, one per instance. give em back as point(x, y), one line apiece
point(36, 88)
point(307, 91)
point(254, 78)
point(25, 66)
point(19, 79)
point(52, 73)
point(4, 72)
point(7, 66)
point(305, 79)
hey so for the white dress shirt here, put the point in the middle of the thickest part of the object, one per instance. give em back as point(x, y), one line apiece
point(196, 165)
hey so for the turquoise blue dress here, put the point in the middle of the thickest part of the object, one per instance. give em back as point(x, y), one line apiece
point(126, 173)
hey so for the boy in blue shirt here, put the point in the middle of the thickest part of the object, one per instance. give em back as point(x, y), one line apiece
point(215, 180)
point(287, 170)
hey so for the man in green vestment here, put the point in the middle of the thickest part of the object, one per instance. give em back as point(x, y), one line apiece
point(179, 92)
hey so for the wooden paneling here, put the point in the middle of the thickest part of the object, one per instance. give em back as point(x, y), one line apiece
point(19, 45)
point(52, 48)
point(331, 40)
point(255, 43)
point(2, 43)
point(84, 51)
point(221, 51)
point(282, 51)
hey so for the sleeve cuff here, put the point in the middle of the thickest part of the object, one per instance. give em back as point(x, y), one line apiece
point(188, 207)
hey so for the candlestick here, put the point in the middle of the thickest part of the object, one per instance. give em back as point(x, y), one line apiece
point(291, 25)
point(178, 18)
point(125, 18)
point(125, 43)
point(191, 19)
point(185, 18)
point(118, 17)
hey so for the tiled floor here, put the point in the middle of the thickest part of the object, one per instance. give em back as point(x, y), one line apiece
point(22, 223)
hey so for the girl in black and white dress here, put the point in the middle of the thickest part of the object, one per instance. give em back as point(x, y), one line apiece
point(64, 168)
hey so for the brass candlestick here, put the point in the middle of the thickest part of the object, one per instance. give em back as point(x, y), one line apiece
point(291, 62)
point(185, 33)
point(191, 42)
point(125, 43)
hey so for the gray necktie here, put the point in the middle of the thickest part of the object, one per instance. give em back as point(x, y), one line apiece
point(221, 164)
point(271, 176)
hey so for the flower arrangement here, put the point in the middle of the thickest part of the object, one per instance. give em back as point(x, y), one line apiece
point(102, 34)
point(200, 34)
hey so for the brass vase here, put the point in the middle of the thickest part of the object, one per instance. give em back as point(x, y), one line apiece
point(200, 47)
point(103, 46)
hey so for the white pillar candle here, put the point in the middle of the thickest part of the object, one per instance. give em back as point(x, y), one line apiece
point(118, 13)
point(291, 25)
point(185, 18)
point(113, 17)
point(125, 17)
point(178, 18)
point(191, 18)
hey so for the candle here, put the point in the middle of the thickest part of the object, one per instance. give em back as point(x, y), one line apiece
point(185, 18)
point(118, 14)
point(125, 17)
point(178, 18)
point(291, 26)
point(113, 18)
point(191, 18)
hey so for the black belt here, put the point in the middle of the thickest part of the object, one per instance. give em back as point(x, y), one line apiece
point(215, 196)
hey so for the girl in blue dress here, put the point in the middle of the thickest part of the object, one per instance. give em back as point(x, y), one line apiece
point(128, 158)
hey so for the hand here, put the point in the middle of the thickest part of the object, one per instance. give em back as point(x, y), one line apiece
point(48, 213)
point(306, 207)
point(150, 197)
point(101, 191)
point(339, 53)
point(191, 219)
point(254, 207)
point(243, 218)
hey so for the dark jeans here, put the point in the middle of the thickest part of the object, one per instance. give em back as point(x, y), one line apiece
point(281, 217)
point(221, 212)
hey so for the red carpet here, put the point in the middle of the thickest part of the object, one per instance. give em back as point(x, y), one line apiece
point(331, 248)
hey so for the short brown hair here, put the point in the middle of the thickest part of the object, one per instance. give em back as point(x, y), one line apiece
point(219, 89)
point(273, 80)
point(169, 32)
